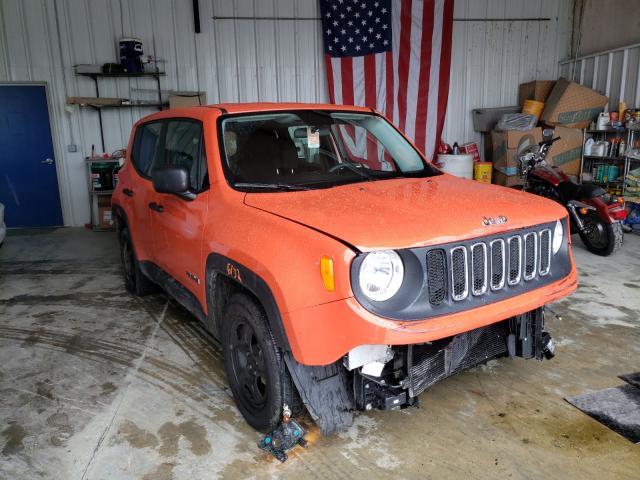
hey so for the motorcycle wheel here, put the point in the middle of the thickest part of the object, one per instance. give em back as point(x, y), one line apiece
point(601, 238)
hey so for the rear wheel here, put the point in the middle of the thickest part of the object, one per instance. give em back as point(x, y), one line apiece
point(134, 280)
point(601, 238)
point(256, 371)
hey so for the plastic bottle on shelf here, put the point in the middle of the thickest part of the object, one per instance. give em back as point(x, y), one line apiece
point(621, 148)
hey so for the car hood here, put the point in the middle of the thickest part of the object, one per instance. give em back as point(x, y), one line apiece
point(404, 213)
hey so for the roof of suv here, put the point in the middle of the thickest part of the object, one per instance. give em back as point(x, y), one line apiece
point(271, 106)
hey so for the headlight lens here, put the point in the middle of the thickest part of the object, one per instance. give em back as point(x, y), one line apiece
point(381, 275)
point(558, 233)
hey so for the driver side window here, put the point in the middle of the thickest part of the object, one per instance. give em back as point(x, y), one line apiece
point(184, 147)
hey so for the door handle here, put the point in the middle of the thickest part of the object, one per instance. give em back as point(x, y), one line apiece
point(47, 161)
point(127, 192)
point(156, 207)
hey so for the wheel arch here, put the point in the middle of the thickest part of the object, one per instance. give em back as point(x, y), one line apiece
point(239, 277)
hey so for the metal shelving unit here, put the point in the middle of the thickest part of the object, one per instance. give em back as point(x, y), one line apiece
point(625, 163)
point(95, 194)
point(95, 76)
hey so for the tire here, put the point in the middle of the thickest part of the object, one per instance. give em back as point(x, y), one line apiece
point(601, 238)
point(256, 371)
point(135, 281)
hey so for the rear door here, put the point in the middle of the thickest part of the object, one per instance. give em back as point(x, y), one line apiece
point(178, 223)
point(137, 189)
point(28, 177)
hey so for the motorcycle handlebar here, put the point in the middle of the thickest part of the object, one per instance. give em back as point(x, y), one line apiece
point(548, 143)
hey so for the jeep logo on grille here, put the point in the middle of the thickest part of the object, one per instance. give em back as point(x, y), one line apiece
point(494, 220)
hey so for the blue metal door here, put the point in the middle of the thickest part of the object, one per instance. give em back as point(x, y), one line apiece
point(28, 179)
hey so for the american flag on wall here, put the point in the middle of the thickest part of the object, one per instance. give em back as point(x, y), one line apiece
point(394, 56)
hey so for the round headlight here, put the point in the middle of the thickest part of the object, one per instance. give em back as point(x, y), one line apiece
point(381, 275)
point(558, 233)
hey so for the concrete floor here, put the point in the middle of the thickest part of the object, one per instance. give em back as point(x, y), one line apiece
point(97, 384)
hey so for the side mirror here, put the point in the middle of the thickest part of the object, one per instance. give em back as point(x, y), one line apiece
point(172, 180)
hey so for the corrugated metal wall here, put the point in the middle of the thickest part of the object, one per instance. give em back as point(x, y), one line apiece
point(491, 58)
point(245, 60)
point(615, 73)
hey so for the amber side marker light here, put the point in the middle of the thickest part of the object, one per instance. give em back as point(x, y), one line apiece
point(583, 211)
point(326, 271)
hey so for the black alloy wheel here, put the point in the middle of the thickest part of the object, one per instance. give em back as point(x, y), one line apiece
point(257, 374)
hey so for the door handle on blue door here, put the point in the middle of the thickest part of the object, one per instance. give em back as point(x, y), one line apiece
point(47, 161)
point(127, 192)
point(156, 207)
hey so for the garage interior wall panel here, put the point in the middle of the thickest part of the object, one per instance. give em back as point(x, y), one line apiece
point(490, 58)
point(614, 73)
point(245, 60)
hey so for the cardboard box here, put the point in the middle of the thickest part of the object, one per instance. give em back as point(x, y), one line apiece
point(506, 180)
point(105, 220)
point(508, 145)
point(572, 105)
point(537, 90)
point(566, 153)
point(187, 99)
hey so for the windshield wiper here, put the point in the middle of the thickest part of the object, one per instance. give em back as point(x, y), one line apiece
point(270, 186)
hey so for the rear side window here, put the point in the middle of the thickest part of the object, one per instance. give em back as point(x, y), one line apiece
point(184, 147)
point(145, 146)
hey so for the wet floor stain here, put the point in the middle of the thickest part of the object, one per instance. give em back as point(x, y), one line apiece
point(14, 435)
point(195, 434)
point(136, 436)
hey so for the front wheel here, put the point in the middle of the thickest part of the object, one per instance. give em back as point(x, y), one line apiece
point(601, 238)
point(257, 374)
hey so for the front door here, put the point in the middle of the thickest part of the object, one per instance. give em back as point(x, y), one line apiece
point(28, 177)
point(178, 223)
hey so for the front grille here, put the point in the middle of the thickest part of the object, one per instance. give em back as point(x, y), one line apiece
point(436, 276)
point(483, 267)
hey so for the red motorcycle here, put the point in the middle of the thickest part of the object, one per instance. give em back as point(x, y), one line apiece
point(594, 214)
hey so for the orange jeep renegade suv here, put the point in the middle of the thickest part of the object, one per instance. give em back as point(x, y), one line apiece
point(333, 262)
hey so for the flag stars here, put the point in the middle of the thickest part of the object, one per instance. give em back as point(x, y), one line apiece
point(335, 23)
point(358, 48)
point(363, 22)
point(350, 39)
point(384, 27)
point(334, 6)
point(343, 48)
point(348, 9)
point(328, 15)
point(357, 31)
point(384, 10)
point(343, 31)
point(378, 36)
point(370, 13)
point(342, 15)
point(350, 23)
point(328, 31)
point(385, 42)
point(377, 20)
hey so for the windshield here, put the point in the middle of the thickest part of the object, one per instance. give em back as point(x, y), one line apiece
point(306, 149)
